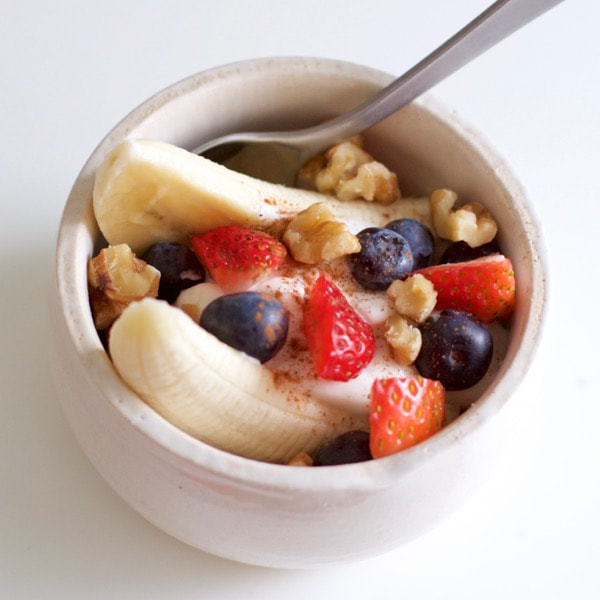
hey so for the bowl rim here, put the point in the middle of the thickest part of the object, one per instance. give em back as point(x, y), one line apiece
point(73, 238)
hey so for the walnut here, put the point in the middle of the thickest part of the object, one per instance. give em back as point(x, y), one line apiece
point(302, 459)
point(309, 171)
point(312, 236)
point(415, 297)
point(349, 173)
point(404, 339)
point(471, 223)
point(117, 278)
point(342, 162)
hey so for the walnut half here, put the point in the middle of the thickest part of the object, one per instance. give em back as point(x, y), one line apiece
point(116, 278)
point(349, 173)
point(413, 297)
point(414, 300)
point(471, 223)
point(313, 235)
point(405, 339)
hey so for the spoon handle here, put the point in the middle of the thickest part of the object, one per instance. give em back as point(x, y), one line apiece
point(494, 24)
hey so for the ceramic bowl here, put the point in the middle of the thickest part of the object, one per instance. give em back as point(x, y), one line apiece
point(275, 515)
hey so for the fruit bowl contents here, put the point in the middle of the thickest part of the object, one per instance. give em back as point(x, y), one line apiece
point(145, 241)
point(291, 325)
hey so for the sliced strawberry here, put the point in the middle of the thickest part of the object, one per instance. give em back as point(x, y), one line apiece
point(404, 412)
point(484, 287)
point(340, 341)
point(238, 257)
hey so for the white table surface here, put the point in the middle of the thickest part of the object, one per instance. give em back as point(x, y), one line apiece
point(70, 70)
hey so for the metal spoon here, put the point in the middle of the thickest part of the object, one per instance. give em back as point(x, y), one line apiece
point(277, 156)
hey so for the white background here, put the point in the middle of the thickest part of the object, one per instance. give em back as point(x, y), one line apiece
point(71, 70)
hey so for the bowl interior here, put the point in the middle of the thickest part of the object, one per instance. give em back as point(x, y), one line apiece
point(426, 145)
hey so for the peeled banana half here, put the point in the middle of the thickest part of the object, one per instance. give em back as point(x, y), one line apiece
point(214, 392)
point(148, 191)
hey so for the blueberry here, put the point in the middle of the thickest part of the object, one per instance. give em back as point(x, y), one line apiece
point(350, 447)
point(457, 349)
point(462, 252)
point(248, 321)
point(179, 268)
point(419, 238)
point(384, 257)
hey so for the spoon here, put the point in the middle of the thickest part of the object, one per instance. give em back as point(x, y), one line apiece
point(277, 156)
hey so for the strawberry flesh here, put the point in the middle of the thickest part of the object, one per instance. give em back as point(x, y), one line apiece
point(484, 287)
point(404, 412)
point(340, 341)
point(238, 257)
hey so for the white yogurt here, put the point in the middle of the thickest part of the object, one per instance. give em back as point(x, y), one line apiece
point(293, 367)
point(293, 364)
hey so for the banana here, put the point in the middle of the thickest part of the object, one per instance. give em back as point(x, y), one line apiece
point(214, 392)
point(148, 191)
point(195, 299)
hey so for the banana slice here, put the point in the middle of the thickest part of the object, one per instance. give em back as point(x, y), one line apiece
point(195, 299)
point(214, 392)
point(149, 191)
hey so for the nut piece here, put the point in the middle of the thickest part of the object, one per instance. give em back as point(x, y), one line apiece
point(350, 173)
point(373, 182)
point(312, 236)
point(309, 171)
point(117, 278)
point(415, 297)
point(471, 223)
point(342, 162)
point(404, 339)
point(302, 459)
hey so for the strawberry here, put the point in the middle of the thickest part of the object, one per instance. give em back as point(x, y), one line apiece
point(404, 412)
point(340, 341)
point(484, 287)
point(238, 257)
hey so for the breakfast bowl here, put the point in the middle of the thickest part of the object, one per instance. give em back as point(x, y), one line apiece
point(274, 514)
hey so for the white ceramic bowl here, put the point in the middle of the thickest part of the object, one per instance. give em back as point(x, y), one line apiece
point(270, 514)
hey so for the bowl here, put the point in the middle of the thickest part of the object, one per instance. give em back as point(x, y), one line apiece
point(275, 515)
